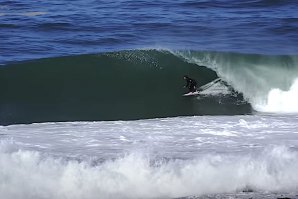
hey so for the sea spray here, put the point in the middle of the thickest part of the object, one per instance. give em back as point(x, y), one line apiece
point(282, 101)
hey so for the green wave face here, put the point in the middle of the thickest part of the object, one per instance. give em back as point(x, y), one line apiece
point(122, 85)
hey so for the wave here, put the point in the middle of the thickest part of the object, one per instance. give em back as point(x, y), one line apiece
point(139, 176)
point(123, 85)
point(140, 84)
point(266, 81)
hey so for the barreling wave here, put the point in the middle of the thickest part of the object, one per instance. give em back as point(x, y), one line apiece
point(141, 84)
point(121, 85)
point(268, 83)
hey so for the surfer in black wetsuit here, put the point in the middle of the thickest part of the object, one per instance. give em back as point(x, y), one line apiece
point(191, 84)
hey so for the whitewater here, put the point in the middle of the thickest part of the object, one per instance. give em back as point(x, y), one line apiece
point(192, 157)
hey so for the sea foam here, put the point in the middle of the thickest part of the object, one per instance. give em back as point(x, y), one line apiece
point(30, 174)
point(282, 101)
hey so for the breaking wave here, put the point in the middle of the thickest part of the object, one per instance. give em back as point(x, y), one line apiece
point(139, 176)
point(268, 82)
point(139, 84)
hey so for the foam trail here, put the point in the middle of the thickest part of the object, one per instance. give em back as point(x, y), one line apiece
point(29, 174)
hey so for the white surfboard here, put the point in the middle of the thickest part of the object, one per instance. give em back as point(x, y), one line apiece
point(192, 93)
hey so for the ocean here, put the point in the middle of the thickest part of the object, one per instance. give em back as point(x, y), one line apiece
point(92, 105)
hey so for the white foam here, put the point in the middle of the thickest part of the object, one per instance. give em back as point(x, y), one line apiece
point(28, 174)
point(27, 14)
point(281, 101)
point(33, 14)
point(158, 158)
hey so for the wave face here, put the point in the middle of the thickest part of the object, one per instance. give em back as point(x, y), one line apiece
point(268, 82)
point(141, 84)
point(109, 86)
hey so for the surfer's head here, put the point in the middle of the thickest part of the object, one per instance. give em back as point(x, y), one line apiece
point(185, 77)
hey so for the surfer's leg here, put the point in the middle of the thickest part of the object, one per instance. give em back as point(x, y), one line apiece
point(192, 88)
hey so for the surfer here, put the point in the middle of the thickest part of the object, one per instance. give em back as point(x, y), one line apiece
point(191, 84)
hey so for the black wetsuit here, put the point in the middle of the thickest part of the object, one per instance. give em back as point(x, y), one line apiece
point(191, 84)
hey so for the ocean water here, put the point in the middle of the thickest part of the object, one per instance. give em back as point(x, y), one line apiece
point(34, 29)
point(91, 101)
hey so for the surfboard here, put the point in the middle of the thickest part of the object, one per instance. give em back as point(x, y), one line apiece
point(202, 88)
point(192, 93)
